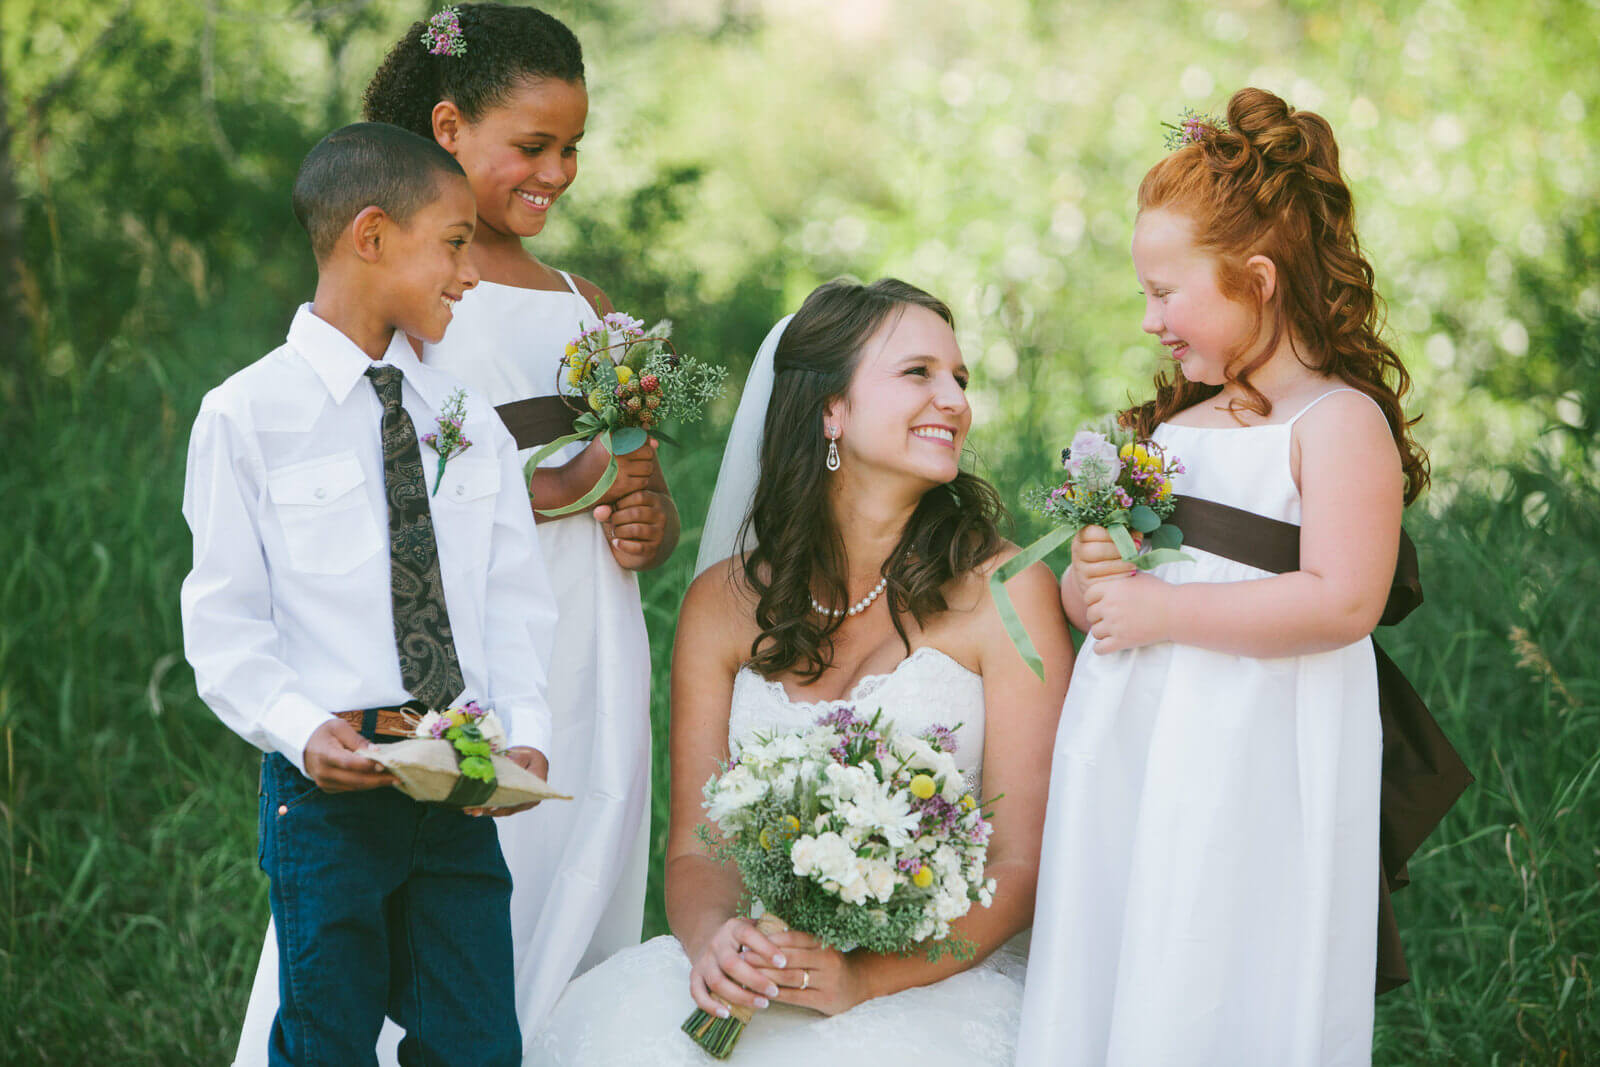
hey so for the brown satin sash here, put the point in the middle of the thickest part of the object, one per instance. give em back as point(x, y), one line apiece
point(537, 420)
point(1422, 774)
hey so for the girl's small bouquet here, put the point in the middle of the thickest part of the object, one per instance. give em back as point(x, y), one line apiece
point(859, 835)
point(626, 383)
point(456, 759)
point(1113, 481)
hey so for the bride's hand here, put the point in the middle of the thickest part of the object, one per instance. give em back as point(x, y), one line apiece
point(817, 977)
point(728, 967)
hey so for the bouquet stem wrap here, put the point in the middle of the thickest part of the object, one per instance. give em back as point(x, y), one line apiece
point(717, 1035)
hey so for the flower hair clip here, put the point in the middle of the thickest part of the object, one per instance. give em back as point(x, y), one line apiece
point(443, 36)
point(1192, 128)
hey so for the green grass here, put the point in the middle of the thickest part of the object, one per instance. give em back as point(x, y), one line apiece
point(130, 902)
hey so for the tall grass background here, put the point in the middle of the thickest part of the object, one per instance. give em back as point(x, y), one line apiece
point(986, 151)
point(131, 906)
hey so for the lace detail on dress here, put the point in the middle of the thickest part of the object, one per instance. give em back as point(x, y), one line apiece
point(926, 688)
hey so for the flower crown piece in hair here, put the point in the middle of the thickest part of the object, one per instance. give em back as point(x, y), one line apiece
point(443, 36)
point(1192, 128)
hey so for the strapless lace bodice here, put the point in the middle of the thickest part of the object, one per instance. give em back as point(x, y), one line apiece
point(927, 688)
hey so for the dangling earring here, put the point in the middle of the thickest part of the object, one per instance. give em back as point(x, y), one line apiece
point(833, 448)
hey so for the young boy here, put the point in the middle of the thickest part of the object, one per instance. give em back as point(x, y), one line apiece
point(338, 575)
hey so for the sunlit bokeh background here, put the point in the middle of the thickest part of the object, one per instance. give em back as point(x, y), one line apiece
point(739, 152)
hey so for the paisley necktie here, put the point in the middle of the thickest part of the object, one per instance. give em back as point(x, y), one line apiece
point(428, 664)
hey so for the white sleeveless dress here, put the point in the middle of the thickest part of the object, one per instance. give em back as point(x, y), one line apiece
point(578, 867)
point(628, 1010)
point(1209, 883)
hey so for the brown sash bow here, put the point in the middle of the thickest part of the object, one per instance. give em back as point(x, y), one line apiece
point(537, 420)
point(1422, 774)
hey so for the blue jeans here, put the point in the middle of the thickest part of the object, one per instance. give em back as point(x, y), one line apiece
point(385, 906)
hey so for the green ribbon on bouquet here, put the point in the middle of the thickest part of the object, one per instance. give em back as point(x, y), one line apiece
point(617, 442)
point(1164, 540)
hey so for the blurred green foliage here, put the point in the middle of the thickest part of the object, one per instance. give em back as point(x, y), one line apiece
point(739, 152)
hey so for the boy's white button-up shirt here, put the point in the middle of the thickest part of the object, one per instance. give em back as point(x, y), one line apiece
point(287, 615)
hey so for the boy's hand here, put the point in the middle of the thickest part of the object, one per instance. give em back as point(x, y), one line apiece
point(635, 526)
point(1095, 556)
point(335, 760)
point(529, 759)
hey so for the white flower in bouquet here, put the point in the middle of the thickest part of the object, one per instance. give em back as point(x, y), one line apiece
point(729, 797)
point(493, 731)
point(878, 808)
point(853, 833)
point(1093, 460)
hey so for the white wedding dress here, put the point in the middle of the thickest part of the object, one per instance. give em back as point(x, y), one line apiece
point(1208, 888)
point(628, 1010)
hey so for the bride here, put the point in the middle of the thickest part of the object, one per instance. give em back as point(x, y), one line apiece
point(861, 580)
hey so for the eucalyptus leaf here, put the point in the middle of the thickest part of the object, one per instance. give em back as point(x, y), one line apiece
point(1141, 518)
point(628, 439)
point(1165, 536)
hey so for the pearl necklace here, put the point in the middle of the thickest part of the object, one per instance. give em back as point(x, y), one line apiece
point(858, 607)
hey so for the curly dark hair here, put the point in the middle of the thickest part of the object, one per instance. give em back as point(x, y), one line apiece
point(506, 47)
point(1269, 184)
point(798, 551)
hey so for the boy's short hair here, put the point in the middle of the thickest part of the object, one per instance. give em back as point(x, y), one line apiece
point(366, 164)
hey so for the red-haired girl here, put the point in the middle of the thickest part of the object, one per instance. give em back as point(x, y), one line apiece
point(1208, 892)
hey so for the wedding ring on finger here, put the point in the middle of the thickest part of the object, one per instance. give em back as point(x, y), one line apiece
point(805, 979)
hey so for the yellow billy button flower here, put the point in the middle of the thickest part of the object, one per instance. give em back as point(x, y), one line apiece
point(766, 839)
point(575, 375)
point(457, 718)
point(624, 374)
point(923, 878)
point(596, 401)
point(922, 786)
point(791, 824)
point(572, 350)
point(967, 802)
point(1126, 451)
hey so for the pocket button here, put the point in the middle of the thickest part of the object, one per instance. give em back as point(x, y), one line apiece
point(320, 494)
point(461, 490)
point(283, 809)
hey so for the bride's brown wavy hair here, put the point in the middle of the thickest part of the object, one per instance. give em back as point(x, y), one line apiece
point(1269, 184)
point(798, 552)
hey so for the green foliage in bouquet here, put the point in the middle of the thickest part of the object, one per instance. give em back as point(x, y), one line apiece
point(1112, 481)
point(628, 382)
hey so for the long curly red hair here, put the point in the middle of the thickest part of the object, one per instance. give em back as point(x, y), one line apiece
point(1269, 184)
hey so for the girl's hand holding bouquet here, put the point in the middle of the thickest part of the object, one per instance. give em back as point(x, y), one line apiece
point(1117, 485)
point(627, 383)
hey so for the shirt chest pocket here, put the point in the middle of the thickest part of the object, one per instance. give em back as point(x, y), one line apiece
point(323, 509)
point(463, 511)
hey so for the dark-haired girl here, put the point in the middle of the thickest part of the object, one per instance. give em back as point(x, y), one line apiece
point(502, 89)
point(1209, 893)
point(860, 552)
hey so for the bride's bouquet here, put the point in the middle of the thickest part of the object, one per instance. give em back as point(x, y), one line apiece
point(1114, 481)
point(626, 382)
point(859, 835)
